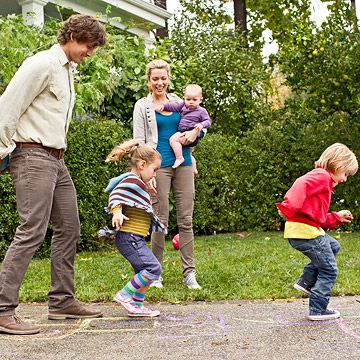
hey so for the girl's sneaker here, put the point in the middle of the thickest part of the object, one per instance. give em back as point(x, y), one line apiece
point(142, 311)
point(126, 301)
point(157, 283)
point(328, 314)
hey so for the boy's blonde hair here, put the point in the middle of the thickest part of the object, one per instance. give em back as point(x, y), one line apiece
point(136, 152)
point(193, 89)
point(338, 157)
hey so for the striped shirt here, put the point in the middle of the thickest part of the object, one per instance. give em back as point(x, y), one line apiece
point(129, 190)
point(138, 223)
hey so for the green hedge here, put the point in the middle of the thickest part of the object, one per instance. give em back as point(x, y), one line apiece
point(88, 144)
point(239, 180)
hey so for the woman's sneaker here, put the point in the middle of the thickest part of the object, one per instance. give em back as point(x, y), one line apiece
point(190, 281)
point(302, 286)
point(328, 314)
point(142, 311)
point(157, 283)
point(126, 301)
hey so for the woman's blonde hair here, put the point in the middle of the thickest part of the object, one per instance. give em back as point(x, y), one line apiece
point(338, 157)
point(136, 152)
point(157, 64)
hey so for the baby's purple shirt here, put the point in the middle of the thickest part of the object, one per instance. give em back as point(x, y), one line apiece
point(189, 117)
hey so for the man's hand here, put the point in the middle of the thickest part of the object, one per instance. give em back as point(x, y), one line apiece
point(3, 171)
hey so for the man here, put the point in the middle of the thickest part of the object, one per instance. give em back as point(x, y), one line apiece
point(35, 112)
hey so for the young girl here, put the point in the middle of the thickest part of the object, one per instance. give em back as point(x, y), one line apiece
point(305, 208)
point(130, 206)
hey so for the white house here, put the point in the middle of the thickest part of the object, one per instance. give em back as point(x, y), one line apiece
point(144, 15)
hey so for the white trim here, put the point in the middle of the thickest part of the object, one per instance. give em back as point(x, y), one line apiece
point(33, 11)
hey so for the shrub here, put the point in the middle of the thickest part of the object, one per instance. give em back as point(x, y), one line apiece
point(88, 144)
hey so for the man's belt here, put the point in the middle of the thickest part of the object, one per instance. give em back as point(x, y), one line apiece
point(58, 153)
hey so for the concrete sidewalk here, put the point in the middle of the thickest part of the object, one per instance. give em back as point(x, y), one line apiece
point(216, 330)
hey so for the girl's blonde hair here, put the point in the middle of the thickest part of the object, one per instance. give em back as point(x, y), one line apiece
point(136, 152)
point(338, 157)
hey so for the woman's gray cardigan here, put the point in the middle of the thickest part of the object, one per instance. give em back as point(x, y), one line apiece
point(144, 120)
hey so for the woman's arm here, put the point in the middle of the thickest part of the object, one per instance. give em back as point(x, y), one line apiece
point(139, 122)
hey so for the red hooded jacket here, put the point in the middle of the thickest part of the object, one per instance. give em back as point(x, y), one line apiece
point(308, 200)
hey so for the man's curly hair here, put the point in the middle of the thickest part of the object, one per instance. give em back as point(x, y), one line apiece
point(82, 28)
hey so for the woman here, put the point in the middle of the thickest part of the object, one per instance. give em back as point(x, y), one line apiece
point(155, 129)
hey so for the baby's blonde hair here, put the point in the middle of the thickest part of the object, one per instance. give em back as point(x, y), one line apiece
point(136, 152)
point(193, 89)
point(338, 157)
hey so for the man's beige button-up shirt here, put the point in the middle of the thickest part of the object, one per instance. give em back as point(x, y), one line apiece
point(37, 104)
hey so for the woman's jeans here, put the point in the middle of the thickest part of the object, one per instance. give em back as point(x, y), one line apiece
point(134, 249)
point(322, 271)
point(181, 182)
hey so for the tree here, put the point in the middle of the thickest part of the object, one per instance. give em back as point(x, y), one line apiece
point(240, 16)
point(218, 59)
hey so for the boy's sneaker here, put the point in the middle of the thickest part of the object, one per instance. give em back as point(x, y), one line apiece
point(142, 311)
point(190, 281)
point(302, 286)
point(157, 283)
point(328, 314)
point(126, 301)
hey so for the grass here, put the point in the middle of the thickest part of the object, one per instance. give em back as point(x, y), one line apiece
point(258, 266)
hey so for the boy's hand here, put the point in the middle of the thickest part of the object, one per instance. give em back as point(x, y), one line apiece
point(345, 216)
point(159, 108)
point(118, 219)
point(281, 214)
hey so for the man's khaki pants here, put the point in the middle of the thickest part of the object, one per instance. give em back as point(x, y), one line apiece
point(44, 193)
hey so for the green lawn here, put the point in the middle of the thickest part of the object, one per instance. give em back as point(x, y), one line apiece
point(259, 266)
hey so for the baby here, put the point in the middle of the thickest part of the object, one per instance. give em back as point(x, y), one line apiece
point(193, 116)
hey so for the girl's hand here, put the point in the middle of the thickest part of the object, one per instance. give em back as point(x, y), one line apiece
point(345, 216)
point(118, 219)
point(152, 185)
point(188, 137)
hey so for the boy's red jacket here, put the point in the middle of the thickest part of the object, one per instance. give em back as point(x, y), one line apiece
point(308, 200)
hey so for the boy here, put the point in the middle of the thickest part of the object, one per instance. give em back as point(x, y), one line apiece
point(305, 208)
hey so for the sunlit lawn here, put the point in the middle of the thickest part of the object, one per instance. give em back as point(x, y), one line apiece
point(259, 266)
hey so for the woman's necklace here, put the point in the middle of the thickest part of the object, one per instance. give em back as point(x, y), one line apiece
point(159, 100)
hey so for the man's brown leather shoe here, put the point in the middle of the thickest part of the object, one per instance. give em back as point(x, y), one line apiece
point(13, 325)
point(74, 311)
